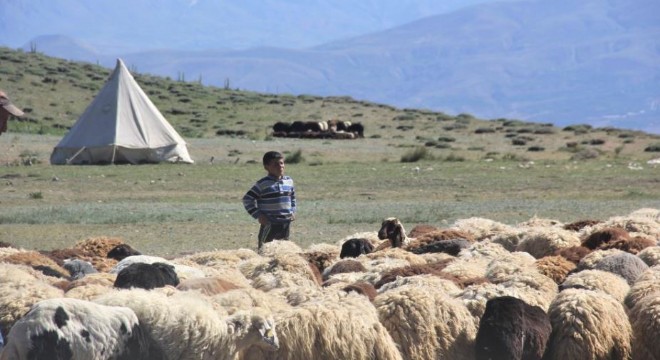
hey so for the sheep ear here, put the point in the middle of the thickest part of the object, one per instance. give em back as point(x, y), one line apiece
point(238, 323)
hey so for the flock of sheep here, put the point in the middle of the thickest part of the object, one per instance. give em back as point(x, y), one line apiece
point(478, 289)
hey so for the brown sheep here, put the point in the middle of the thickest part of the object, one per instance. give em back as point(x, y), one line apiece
point(362, 288)
point(599, 238)
point(555, 267)
point(343, 266)
point(573, 253)
point(580, 224)
point(633, 245)
point(421, 229)
point(99, 246)
point(207, 286)
point(433, 269)
point(38, 261)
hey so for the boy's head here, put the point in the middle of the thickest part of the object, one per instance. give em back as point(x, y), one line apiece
point(274, 163)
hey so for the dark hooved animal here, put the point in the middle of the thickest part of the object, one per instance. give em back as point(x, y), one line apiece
point(122, 251)
point(511, 329)
point(146, 276)
point(355, 247)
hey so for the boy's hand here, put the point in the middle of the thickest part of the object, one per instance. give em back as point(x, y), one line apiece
point(263, 220)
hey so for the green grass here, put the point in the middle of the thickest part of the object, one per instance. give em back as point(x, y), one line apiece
point(168, 209)
point(344, 187)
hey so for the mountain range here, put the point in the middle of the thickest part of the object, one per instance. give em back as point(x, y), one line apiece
point(560, 61)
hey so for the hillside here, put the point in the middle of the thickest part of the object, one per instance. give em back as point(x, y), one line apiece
point(54, 93)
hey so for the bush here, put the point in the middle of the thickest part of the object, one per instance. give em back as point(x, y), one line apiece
point(535, 148)
point(446, 139)
point(416, 154)
point(586, 154)
point(454, 158)
point(653, 148)
point(294, 158)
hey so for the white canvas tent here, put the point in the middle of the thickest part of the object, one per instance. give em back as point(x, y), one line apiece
point(121, 125)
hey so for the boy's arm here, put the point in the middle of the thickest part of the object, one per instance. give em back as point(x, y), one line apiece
point(293, 202)
point(250, 201)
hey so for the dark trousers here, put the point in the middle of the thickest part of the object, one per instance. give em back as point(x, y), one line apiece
point(273, 231)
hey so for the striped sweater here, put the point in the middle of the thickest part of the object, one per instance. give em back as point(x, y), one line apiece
point(272, 197)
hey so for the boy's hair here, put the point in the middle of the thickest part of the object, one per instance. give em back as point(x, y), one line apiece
point(271, 155)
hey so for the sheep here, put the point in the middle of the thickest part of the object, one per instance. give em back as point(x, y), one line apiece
point(182, 271)
point(623, 264)
point(645, 323)
point(647, 283)
point(34, 258)
point(598, 280)
point(427, 323)
point(555, 267)
point(577, 226)
point(282, 270)
point(322, 255)
point(99, 246)
point(279, 247)
point(542, 242)
point(480, 228)
point(355, 247)
point(588, 325)
point(343, 266)
point(240, 299)
point(650, 255)
point(631, 224)
point(530, 286)
point(187, 327)
point(603, 236)
point(207, 286)
point(424, 281)
point(433, 269)
point(451, 247)
point(219, 257)
point(20, 288)
point(362, 288)
point(573, 253)
point(146, 276)
point(392, 229)
point(421, 229)
point(122, 251)
point(512, 329)
point(77, 329)
point(340, 326)
point(633, 245)
point(79, 268)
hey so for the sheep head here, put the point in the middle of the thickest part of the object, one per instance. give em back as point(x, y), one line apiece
point(392, 229)
point(254, 328)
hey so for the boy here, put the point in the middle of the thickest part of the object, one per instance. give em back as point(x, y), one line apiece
point(272, 200)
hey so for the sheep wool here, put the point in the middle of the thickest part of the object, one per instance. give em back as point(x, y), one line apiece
point(426, 323)
point(598, 280)
point(546, 241)
point(588, 325)
point(645, 322)
point(650, 255)
point(647, 283)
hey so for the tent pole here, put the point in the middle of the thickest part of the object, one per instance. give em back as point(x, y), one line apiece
point(114, 150)
point(69, 160)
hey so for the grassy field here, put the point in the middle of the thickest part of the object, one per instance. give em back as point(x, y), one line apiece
point(502, 169)
point(171, 209)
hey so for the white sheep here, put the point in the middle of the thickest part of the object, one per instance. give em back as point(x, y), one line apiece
point(588, 325)
point(650, 255)
point(186, 326)
point(427, 323)
point(598, 280)
point(645, 323)
point(647, 283)
point(545, 241)
point(76, 329)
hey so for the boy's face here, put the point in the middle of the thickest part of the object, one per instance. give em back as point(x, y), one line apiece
point(275, 168)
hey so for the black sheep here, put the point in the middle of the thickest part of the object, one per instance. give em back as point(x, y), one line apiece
point(355, 247)
point(146, 276)
point(122, 251)
point(451, 247)
point(511, 329)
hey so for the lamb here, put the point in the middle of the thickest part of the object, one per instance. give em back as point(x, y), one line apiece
point(187, 327)
point(77, 329)
point(427, 323)
point(588, 325)
point(146, 276)
point(392, 229)
point(79, 268)
point(603, 236)
point(512, 329)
